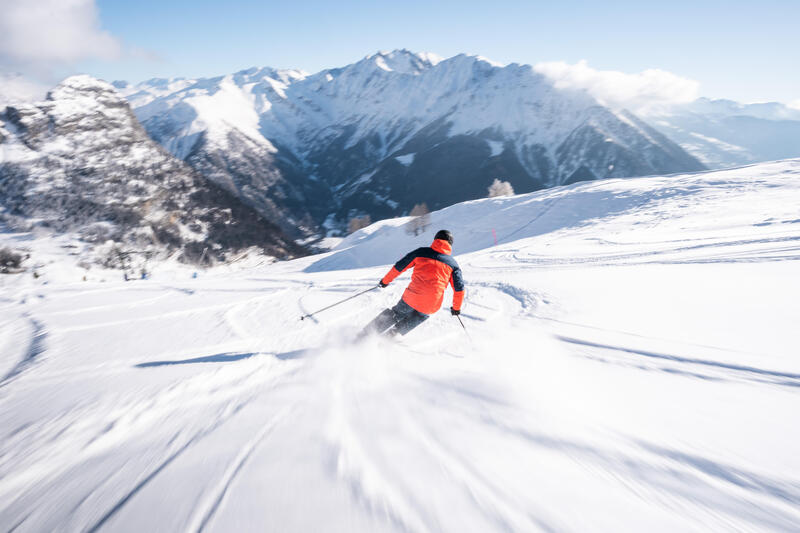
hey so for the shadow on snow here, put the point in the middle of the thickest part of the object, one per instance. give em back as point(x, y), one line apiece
point(221, 358)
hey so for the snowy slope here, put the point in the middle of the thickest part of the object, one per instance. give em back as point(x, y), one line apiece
point(632, 367)
point(723, 133)
point(277, 136)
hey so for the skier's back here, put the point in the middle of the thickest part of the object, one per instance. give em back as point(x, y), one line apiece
point(434, 268)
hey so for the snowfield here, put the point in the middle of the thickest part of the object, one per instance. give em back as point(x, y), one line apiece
point(630, 363)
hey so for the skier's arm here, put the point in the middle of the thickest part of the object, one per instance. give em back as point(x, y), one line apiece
point(401, 266)
point(457, 282)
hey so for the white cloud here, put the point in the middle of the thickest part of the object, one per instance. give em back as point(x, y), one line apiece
point(795, 104)
point(641, 92)
point(15, 88)
point(37, 35)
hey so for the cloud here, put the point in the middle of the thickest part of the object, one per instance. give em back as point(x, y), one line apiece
point(37, 35)
point(794, 104)
point(16, 88)
point(641, 92)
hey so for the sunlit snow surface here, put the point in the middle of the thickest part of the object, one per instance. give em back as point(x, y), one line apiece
point(632, 364)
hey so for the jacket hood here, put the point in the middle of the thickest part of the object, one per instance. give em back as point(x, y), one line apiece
point(442, 246)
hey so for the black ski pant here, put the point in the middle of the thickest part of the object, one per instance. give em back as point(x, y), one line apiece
point(398, 320)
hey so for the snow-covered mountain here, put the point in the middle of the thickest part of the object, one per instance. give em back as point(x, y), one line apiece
point(629, 364)
point(723, 133)
point(392, 130)
point(80, 162)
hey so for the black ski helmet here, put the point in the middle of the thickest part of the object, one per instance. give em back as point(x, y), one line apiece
point(445, 236)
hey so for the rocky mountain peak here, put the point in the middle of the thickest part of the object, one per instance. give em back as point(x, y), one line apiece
point(402, 61)
point(80, 162)
point(84, 86)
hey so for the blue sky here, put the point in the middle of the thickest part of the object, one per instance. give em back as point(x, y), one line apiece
point(748, 51)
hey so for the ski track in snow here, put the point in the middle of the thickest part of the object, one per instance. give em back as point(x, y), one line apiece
point(205, 512)
point(617, 379)
point(35, 347)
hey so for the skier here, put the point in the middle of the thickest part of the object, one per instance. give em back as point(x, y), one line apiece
point(434, 268)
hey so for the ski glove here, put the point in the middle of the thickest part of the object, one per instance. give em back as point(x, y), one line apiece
point(382, 285)
point(455, 312)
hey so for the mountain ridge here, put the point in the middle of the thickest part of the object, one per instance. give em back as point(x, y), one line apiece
point(723, 133)
point(335, 135)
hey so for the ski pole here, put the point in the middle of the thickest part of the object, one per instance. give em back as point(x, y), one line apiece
point(337, 303)
point(463, 326)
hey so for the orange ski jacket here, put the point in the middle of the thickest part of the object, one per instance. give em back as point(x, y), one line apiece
point(434, 268)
